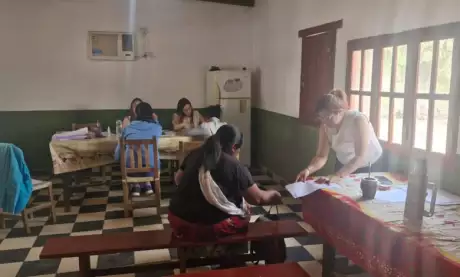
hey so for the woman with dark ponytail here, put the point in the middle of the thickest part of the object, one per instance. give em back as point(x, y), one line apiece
point(214, 190)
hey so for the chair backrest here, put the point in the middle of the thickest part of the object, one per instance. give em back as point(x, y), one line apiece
point(90, 126)
point(185, 147)
point(134, 150)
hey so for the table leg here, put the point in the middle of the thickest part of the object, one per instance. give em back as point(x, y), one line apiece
point(67, 183)
point(328, 260)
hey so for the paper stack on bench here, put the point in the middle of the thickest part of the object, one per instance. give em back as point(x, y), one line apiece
point(82, 133)
point(301, 189)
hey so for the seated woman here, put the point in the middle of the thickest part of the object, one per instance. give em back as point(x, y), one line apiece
point(143, 127)
point(211, 122)
point(186, 117)
point(131, 114)
point(349, 133)
point(213, 190)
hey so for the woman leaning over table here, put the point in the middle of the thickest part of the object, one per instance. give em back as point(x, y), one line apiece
point(185, 116)
point(349, 133)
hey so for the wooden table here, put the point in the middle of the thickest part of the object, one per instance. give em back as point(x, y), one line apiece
point(75, 155)
point(372, 234)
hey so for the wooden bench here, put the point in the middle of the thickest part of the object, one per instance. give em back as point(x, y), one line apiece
point(276, 270)
point(85, 246)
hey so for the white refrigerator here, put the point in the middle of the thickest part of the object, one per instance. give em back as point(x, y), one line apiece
point(231, 89)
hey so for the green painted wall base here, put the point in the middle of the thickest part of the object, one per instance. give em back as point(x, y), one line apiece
point(284, 145)
point(32, 130)
point(279, 142)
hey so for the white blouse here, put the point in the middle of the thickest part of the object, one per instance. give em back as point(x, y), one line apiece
point(342, 141)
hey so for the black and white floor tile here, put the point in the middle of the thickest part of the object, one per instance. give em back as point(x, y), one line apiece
point(98, 210)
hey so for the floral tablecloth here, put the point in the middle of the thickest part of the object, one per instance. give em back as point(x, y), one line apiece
point(73, 155)
point(372, 234)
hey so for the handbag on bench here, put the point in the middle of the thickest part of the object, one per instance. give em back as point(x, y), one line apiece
point(273, 250)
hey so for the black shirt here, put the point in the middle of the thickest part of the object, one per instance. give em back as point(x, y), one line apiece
point(189, 204)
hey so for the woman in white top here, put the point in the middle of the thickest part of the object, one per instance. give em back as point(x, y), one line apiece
point(349, 133)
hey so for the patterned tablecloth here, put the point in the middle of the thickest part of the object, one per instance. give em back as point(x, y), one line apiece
point(74, 155)
point(372, 234)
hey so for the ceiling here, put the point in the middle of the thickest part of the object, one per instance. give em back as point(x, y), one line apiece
point(247, 3)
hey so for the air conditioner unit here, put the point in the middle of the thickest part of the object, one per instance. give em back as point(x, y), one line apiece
point(117, 46)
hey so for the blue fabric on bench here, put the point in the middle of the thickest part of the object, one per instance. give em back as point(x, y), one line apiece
point(15, 181)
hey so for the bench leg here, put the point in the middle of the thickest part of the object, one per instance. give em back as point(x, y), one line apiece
point(328, 260)
point(84, 266)
point(2, 221)
point(182, 253)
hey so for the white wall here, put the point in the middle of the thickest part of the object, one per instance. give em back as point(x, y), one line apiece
point(277, 48)
point(43, 63)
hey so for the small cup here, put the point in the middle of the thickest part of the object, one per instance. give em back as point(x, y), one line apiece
point(369, 187)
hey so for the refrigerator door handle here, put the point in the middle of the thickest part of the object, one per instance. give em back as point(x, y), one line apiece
point(243, 105)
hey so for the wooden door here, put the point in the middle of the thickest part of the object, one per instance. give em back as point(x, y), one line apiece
point(317, 75)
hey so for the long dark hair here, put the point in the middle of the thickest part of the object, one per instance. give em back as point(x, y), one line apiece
point(144, 112)
point(227, 137)
point(180, 108)
point(132, 113)
point(212, 111)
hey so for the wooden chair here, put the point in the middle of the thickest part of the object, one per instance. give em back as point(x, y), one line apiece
point(185, 147)
point(134, 149)
point(30, 209)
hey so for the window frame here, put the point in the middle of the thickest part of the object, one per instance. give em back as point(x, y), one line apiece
point(412, 39)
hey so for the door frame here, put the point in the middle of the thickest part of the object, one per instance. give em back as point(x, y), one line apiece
point(331, 28)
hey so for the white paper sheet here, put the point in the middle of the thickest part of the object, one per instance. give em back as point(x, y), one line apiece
point(444, 198)
point(394, 195)
point(398, 195)
point(301, 189)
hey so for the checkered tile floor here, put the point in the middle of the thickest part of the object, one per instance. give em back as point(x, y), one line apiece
point(98, 210)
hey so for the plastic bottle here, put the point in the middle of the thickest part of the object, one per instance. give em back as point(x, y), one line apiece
point(416, 195)
point(118, 128)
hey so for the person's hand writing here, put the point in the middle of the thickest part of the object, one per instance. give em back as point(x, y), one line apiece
point(303, 175)
point(155, 116)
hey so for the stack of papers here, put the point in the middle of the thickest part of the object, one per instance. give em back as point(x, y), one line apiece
point(301, 189)
point(72, 135)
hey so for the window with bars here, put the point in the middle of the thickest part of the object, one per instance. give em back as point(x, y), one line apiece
point(405, 84)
